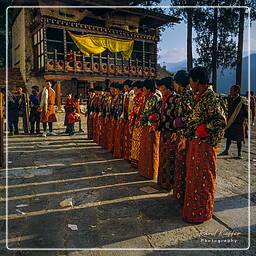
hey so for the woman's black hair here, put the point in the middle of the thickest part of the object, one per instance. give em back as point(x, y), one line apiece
point(113, 85)
point(107, 82)
point(138, 84)
point(128, 82)
point(98, 88)
point(182, 78)
point(200, 74)
point(35, 87)
point(158, 82)
point(236, 87)
point(120, 86)
point(150, 84)
point(167, 82)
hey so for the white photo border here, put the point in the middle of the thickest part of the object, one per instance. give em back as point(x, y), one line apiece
point(132, 249)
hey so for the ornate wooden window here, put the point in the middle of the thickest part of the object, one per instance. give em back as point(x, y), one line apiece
point(38, 39)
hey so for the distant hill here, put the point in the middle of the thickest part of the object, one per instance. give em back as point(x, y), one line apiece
point(162, 72)
point(174, 67)
point(227, 78)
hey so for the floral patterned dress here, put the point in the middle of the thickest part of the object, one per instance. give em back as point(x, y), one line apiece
point(167, 141)
point(136, 128)
point(183, 110)
point(119, 131)
point(205, 128)
point(127, 134)
point(110, 114)
point(149, 148)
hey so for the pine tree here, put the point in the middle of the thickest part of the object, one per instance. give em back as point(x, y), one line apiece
point(216, 30)
point(188, 15)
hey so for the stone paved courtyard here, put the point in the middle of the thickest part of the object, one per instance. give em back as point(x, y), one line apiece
point(111, 207)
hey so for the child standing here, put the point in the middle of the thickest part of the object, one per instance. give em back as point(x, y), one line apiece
point(70, 109)
point(78, 112)
point(34, 117)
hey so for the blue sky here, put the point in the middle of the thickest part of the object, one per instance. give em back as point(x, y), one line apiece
point(172, 46)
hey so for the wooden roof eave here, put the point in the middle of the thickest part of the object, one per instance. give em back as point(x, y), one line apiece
point(73, 26)
point(160, 19)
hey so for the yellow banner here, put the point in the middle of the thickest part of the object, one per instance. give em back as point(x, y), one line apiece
point(96, 44)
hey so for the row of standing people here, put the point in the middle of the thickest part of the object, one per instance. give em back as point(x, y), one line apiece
point(39, 108)
point(35, 109)
point(170, 133)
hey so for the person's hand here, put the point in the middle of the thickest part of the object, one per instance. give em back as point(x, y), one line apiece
point(85, 114)
point(174, 124)
point(152, 129)
point(181, 145)
point(137, 124)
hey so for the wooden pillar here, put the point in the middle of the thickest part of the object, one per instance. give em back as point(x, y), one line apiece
point(55, 60)
point(75, 65)
point(143, 54)
point(1, 129)
point(85, 90)
point(100, 68)
point(77, 88)
point(91, 85)
point(115, 61)
point(108, 63)
point(58, 95)
point(45, 50)
point(65, 48)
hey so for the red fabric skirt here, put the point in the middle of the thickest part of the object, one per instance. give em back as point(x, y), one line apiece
point(96, 128)
point(135, 145)
point(110, 135)
point(49, 115)
point(119, 139)
point(101, 130)
point(166, 160)
point(107, 126)
point(90, 126)
point(180, 169)
point(200, 181)
point(69, 118)
point(149, 153)
point(127, 140)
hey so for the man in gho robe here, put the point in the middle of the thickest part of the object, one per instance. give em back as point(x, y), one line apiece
point(237, 120)
point(47, 101)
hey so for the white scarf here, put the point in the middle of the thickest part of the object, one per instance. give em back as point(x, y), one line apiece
point(44, 99)
point(233, 117)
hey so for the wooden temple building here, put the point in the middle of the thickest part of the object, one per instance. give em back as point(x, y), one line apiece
point(43, 49)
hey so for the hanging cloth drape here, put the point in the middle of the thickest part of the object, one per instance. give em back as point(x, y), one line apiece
point(96, 44)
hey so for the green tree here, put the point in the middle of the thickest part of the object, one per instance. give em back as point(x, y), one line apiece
point(187, 14)
point(4, 4)
point(243, 14)
point(216, 30)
